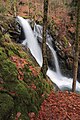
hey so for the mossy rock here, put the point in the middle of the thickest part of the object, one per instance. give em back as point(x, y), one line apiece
point(6, 106)
point(10, 53)
point(23, 97)
point(11, 47)
point(65, 41)
point(43, 87)
point(8, 71)
point(28, 77)
point(26, 95)
point(23, 54)
point(7, 38)
point(25, 100)
point(3, 55)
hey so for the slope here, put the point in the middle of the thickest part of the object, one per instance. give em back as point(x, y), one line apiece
point(22, 87)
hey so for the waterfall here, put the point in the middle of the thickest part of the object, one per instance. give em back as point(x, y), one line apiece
point(38, 33)
point(55, 60)
point(32, 43)
point(30, 40)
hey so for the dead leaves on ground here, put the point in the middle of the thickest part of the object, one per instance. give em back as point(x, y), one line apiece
point(60, 106)
point(20, 62)
point(18, 115)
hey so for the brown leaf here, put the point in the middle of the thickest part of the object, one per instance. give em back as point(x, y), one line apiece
point(18, 115)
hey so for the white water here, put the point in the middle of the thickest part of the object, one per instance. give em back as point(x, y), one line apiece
point(38, 33)
point(55, 60)
point(30, 40)
point(34, 47)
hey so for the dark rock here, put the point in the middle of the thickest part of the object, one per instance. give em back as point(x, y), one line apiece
point(10, 26)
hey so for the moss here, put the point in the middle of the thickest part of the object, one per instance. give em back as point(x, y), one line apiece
point(25, 100)
point(28, 77)
point(66, 41)
point(10, 53)
point(8, 71)
point(23, 54)
point(0, 35)
point(3, 55)
point(10, 47)
point(10, 86)
point(15, 51)
point(6, 106)
point(42, 86)
point(18, 47)
point(5, 26)
point(7, 38)
point(35, 101)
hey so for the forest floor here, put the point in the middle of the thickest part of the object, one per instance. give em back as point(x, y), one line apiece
point(60, 106)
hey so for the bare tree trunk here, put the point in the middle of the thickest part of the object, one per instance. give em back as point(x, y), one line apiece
point(44, 47)
point(15, 9)
point(75, 64)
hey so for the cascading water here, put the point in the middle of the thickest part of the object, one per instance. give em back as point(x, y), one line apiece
point(30, 40)
point(55, 60)
point(32, 43)
point(38, 33)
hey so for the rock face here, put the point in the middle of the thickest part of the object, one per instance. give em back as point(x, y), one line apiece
point(10, 25)
point(65, 56)
point(64, 50)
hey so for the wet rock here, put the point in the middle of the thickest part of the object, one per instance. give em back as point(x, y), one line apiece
point(10, 25)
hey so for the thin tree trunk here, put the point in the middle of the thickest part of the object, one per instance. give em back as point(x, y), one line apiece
point(44, 47)
point(75, 64)
point(14, 8)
